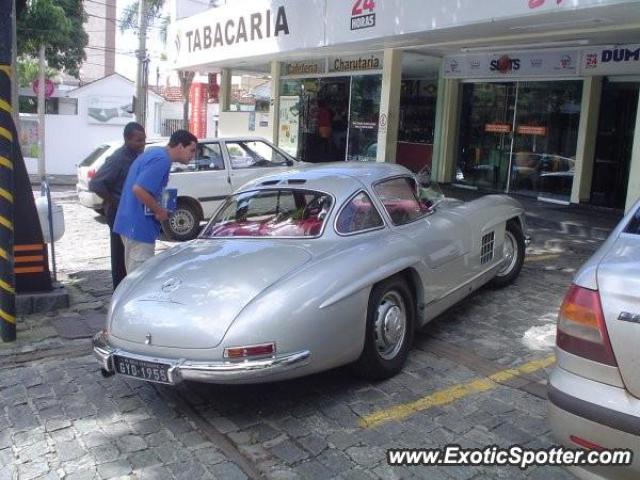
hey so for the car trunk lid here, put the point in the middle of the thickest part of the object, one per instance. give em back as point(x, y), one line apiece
point(619, 285)
point(190, 298)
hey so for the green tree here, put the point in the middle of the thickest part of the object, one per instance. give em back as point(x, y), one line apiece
point(27, 70)
point(58, 25)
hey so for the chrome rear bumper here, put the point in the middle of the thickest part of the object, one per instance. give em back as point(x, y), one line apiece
point(210, 372)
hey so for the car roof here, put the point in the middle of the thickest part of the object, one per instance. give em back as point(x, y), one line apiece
point(338, 178)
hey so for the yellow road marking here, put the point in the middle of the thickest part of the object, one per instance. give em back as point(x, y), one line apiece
point(8, 318)
point(541, 258)
point(451, 394)
point(5, 162)
point(6, 69)
point(6, 134)
point(4, 254)
point(5, 106)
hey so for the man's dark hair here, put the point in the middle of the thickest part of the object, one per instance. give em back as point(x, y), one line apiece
point(182, 137)
point(130, 128)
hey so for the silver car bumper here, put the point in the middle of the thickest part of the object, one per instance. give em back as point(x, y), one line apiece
point(209, 372)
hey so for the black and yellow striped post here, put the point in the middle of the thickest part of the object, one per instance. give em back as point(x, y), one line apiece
point(7, 133)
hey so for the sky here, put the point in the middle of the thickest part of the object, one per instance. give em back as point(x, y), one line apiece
point(127, 44)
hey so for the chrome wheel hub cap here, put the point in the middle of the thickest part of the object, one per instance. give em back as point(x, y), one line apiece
point(390, 325)
point(510, 254)
point(181, 221)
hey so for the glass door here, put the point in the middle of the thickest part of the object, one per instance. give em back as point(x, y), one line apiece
point(486, 128)
point(545, 139)
point(364, 110)
point(618, 111)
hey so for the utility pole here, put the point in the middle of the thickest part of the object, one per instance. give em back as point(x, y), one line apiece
point(7, 137)
point(42, 171)
point(141, 53)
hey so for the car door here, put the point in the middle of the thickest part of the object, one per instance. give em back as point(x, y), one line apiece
point(205, 178)
point(442, 240)
point(253, 158)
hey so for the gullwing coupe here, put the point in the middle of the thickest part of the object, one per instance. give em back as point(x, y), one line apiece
point(306, 270)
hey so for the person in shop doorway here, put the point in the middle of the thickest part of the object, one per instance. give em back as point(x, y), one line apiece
point(140, 213)
point(324, 132)
point(108, 183)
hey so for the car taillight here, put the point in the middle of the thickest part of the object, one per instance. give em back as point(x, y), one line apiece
point(263, 350)
point(581, 327)
point(91, 173)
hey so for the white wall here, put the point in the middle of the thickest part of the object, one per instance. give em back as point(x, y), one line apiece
point(234, 124)
point(70, 138)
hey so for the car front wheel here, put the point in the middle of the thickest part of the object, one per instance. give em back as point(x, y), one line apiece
point(514, 247)
point(184, 223)
point(389, 332)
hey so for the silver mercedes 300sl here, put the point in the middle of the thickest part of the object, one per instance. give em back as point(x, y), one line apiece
point(307, 270)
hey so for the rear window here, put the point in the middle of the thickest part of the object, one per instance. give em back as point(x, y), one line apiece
point(271, 213)
point(634, 224)
point(93, 156)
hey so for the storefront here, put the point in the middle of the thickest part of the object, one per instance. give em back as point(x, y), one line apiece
point(519, 119)
point(330, 109)
point(540, 112)
point(520, 122)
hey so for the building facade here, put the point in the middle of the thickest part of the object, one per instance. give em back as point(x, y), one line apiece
point(534, 97)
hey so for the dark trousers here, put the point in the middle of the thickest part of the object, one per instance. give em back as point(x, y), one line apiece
point(118, 270)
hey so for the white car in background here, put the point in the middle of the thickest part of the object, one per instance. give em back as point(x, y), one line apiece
point(220, 166)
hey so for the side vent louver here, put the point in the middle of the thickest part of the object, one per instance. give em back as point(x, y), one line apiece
point(486, 254)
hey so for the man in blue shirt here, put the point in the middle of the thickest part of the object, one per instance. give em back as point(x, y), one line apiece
point(108, 183)
point(147, 178)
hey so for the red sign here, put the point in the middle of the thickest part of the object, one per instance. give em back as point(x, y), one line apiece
point(198, 109)
point(531, 130)
point(497, 127)
point(49, 87)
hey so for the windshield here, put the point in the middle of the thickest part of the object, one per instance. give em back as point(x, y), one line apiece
point(429, 192)
point(271, 213)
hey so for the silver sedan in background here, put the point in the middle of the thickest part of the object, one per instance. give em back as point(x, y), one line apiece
point(594, 390)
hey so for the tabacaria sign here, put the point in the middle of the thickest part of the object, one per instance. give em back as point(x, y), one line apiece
point(258, 27)
point(563, 63)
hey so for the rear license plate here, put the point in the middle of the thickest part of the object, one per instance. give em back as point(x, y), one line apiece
point(149, 371)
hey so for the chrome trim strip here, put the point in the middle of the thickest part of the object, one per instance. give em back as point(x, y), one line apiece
point(223, 371)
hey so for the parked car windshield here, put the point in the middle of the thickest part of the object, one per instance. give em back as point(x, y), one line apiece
point(271, 213)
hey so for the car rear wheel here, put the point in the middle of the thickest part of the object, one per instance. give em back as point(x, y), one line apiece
point(389, 332)
point(184, 223)
point(514, 247)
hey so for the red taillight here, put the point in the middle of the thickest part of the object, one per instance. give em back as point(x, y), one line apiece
point(263, 350)
point(581, 327)
point(585, 443)
point(91, 173)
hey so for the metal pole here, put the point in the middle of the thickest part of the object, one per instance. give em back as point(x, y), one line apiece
point(14, 78)
point(7, 129)
point(141, 53)
point(42, 171)
point(45, 190)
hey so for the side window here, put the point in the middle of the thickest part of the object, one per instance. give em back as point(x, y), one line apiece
point(398, 196)
point(208, 157)
point(254, 154)
point(358, 214)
